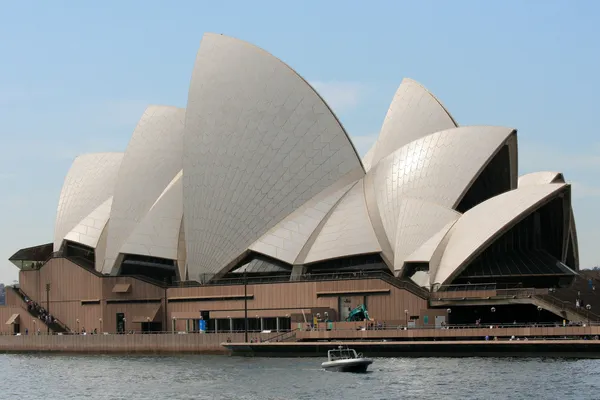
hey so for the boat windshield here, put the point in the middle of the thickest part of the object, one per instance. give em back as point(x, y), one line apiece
point(341, 354)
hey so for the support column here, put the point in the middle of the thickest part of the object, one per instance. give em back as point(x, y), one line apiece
point(230, 325)
point(277, 320)
point(262, 324)
point(216, 325)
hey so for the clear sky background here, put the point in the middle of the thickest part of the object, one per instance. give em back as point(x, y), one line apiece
point(75, 76)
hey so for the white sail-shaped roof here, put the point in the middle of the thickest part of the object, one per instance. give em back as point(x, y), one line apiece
point(418, 221)
point(259, 143)
point(347, 230)
point(414, 113)
point(88, 231)
point(479, 226)
point(89, 183)
point(286, 240)
point(541, 178)
point(438, 168)
point(157, 234)
point(152, 159)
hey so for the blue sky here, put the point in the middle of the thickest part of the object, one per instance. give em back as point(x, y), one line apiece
point(76, 76)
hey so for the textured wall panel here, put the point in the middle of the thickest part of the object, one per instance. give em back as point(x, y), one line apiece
point(413, 114)
point(153, 157)
point(347, 231)
point(286, 240)
point(88, 231)
point(259, 143)
point(88, 184)
point(418, 221)
point(541, 178)
point(157, 234)
point(438, 168)
point(479, 226)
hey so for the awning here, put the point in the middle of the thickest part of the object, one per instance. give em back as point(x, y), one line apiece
point(14, 319)
point(122, 288)
point(151, 316)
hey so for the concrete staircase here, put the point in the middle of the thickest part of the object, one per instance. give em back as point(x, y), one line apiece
point(55, 326)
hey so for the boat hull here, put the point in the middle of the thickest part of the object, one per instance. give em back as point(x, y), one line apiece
point(352, 365)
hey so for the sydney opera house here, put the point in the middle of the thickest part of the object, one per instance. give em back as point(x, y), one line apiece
point(254, 201)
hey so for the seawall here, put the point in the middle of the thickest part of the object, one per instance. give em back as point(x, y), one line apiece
point(119, 344)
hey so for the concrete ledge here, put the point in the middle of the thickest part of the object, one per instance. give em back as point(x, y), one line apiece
point(122, 344)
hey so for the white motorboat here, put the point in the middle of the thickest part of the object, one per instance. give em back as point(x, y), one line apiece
point(344, 359)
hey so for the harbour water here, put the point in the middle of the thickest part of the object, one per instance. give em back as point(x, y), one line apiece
point(60, 377)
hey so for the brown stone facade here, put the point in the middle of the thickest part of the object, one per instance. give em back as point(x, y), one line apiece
point(80, 299)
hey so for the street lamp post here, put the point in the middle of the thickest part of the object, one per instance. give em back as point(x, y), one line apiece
point(406, 318)
point(449, 311)
point(77, 321)
point(539, 312)
point(100, 320)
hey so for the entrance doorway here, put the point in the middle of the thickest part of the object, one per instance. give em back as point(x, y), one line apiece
point(120, 322)
point(16, 328)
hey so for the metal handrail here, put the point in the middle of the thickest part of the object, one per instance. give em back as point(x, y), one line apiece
point(567, 304)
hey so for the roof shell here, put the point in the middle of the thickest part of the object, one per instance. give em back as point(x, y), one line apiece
point(438, 168)
point(152, 159)
point(89, 183)
point(157, 234)
point(541, 178)
point(286, 240)
point(413, 114)
point(418, 221)
point(481, 225)
point(347, 230)
point(259, 143)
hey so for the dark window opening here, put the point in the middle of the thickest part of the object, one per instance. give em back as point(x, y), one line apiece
point(570, 259)
point(260, 265)
point(412, 267)
point(493, 180)
point(160, 270)
point(528, 254)
point(365, 262)
point(32, 257)
point(80, 254)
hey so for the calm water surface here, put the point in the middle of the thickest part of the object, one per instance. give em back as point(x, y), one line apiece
point(54, 377)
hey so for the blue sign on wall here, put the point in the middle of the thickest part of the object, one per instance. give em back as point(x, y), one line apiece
point(201, 325)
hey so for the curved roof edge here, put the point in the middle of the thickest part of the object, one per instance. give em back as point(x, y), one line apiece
point(305, 152)
point(89, 182)
point(154, 155)
point(435, 98)
point(511, 142)
point(425, 252)
point(481, 225)
point(89, 230)
point(305, 81)
point(418, 221)
point(289, 239)
point(157, 233)
point(414, 113)
point(347, 230)
point(541, 178)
